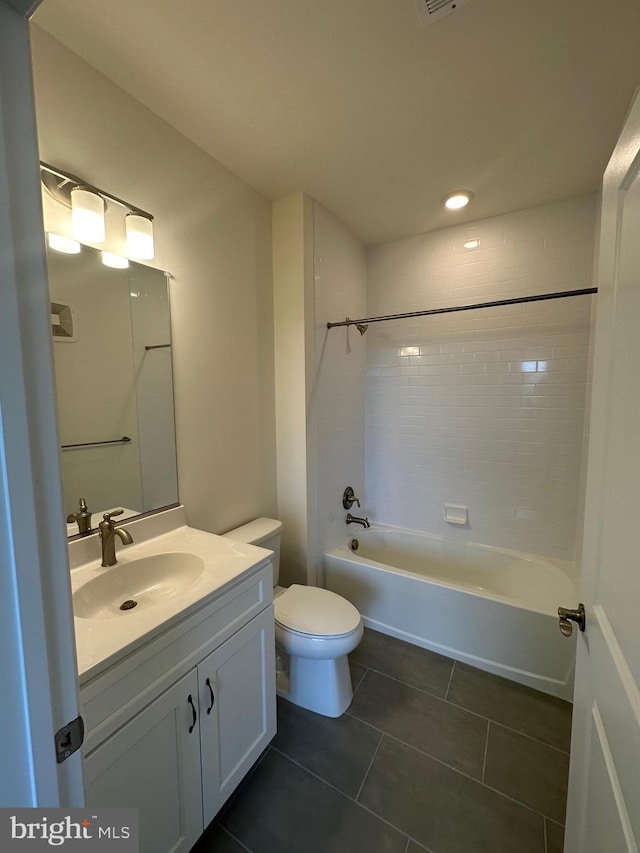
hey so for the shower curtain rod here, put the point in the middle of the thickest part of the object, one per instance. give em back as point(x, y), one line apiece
point(362, 324)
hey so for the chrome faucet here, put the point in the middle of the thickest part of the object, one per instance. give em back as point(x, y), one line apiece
point(108, 533)
point(352, 519)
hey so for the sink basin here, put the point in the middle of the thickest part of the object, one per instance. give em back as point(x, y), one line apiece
point(137, 584)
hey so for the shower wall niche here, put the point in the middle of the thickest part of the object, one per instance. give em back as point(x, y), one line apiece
point(483, 408)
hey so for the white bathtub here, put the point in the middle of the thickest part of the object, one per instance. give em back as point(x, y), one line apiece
point(489, 607)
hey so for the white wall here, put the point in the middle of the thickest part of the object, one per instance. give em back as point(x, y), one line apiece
point(483, 408)
point(340, 368)
point(293, 315)
point(319, 275)
point(213, 233)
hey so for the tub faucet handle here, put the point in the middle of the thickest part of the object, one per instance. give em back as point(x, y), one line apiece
point(349, 498)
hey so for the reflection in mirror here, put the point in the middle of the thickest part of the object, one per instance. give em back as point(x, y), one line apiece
point(112, 354)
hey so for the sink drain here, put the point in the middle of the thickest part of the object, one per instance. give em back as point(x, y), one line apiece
point(129, 604)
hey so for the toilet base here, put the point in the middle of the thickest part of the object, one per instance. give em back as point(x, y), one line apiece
point(323, 686)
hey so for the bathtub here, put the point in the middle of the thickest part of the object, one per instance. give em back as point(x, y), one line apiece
point(489, 607)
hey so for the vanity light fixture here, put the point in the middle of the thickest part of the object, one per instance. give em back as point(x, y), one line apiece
point(88, 204)
point(118, 262)
point(139, 230)
point(63, 244)
point(87, 215)
point(457, 199)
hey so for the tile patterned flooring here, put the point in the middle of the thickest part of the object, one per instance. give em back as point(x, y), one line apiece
point(431, 756)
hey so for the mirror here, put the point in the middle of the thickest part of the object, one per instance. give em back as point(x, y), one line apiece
point(112, 354)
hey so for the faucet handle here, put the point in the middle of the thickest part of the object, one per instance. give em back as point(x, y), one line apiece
point(349, 498)
point(107, 522)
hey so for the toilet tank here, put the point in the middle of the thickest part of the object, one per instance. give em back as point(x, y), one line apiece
point(264, 532)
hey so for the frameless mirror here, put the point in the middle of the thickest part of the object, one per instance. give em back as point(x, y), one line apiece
point(112, 353)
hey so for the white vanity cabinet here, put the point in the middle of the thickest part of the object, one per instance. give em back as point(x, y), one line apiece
point(173, 727)
point(236, 686)
point(152, 763)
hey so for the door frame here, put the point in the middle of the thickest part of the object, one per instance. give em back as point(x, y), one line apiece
point(38, 672)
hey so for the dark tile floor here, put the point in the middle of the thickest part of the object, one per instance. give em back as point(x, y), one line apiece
point(432, 755)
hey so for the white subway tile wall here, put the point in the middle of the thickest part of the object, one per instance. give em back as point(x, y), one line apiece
point(482, 408)
point(339, 391)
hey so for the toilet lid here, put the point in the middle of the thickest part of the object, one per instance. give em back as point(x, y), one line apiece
point(311, 610)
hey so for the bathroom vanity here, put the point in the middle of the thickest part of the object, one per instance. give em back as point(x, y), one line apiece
point(177, 693)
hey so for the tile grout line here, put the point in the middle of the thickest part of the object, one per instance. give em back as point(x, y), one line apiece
point(319, 778)
point(486, 750)
point(357, 687)
point(342, 793)
point(416, 749)
point(446, 695)
point(412, 686)
point(520, 803)
point(454, 705)
point(373, 758)
point(566, 752)
point(466, 776)
point(419, 690)
point(237, 840)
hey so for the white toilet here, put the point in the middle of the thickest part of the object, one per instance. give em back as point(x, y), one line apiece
point(315, 628)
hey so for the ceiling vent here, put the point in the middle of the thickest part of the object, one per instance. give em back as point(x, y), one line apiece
point(431, 11)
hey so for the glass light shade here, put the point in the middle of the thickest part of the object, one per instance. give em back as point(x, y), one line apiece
point(87, 215)
point(115, 261)
point(63, 244)
point(139, 232)
point(457, 199)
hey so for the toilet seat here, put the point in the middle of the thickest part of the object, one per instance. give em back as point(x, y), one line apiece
point(315, 612)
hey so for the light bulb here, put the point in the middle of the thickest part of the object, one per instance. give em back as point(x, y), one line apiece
point(139, 230)
point(87, 215)
point(115, 261)
point(457, 199)
point(63, 244)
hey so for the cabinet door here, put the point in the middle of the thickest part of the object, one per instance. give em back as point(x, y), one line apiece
point(238, 704)
point(153, 764)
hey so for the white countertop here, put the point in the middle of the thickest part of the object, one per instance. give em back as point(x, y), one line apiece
point(100, 642)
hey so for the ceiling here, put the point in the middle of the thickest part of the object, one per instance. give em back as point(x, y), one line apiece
point(354, 103)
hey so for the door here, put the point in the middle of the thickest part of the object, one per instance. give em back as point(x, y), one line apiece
point(604, 786)
point(38, 671)
point(153, 764)
point(238, 708)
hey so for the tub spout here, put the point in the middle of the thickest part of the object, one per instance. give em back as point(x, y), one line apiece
point(352, 519)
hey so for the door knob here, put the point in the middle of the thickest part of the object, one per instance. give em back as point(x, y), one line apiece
point(566, 617)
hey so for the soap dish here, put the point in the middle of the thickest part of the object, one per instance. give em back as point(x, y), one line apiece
point(456, 514)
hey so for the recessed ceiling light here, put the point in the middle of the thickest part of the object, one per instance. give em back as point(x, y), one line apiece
point(471, 244)
point(457, 199)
